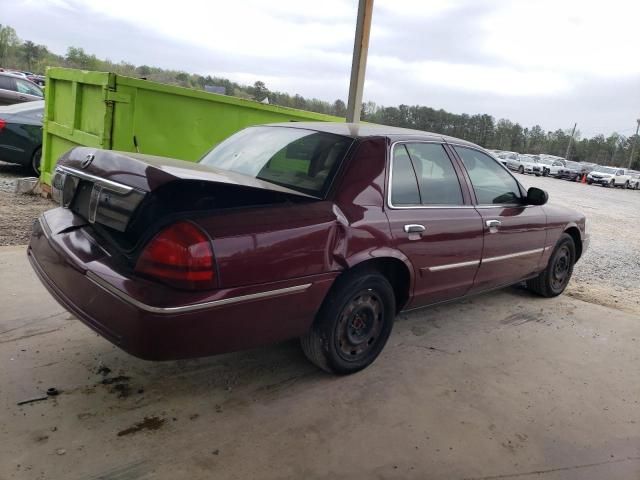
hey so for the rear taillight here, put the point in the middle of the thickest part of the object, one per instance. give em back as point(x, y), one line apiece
point(180, 255)
point(3, 123)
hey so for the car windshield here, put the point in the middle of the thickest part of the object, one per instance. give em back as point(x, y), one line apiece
point(296, 158)
point(609, 170)
point(573, 165)
point(546, 161)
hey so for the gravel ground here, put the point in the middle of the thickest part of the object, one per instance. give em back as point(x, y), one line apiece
point(17, 212)
point(608, 274)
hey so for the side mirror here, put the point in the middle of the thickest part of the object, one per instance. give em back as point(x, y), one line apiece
point(537, 196)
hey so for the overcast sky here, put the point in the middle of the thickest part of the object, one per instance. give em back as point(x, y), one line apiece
point(547, 62)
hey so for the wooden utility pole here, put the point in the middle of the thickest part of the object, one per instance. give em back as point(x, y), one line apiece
point(573, 132)
point(359, 63)
point(635, 142)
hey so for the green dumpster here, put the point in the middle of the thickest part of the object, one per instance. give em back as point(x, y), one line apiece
point(105, 110)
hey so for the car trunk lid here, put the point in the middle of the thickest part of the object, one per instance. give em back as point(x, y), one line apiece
point(109, 187)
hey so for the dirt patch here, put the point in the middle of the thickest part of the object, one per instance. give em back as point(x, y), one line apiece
point(149, 423)
point(627, 300)
point(17, 212)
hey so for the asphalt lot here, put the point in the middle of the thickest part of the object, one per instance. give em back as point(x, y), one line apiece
point(501, 386)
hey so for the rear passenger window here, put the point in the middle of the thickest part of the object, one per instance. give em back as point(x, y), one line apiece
point(6, 83)
point(404, 186)
point(491, 182)
point(437, 179)
point(422, 174)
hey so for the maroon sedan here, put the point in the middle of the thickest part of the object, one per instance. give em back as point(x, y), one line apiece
point(313, 230)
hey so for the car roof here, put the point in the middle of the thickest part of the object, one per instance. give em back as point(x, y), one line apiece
point(363, 130)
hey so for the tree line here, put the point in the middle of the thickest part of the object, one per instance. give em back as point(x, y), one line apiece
point(483, 129)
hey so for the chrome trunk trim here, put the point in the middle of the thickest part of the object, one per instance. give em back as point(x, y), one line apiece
point(111, 185)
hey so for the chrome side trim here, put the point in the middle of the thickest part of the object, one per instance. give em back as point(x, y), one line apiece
point(196, 306)
point(439, 268)
point(111, 185)
point(512, 255)
point(506, 205)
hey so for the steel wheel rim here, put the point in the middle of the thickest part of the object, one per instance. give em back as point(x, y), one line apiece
point(561, 268)
point(359, 326)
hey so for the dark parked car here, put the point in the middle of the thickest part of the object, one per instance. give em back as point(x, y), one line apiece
point(314, 230)
point(21, 134)
point(14, 89)
point(571, 171)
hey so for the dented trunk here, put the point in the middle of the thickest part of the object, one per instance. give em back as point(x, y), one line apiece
point(129, 195)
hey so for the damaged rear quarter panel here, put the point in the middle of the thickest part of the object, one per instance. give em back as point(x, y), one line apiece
point(281, 242)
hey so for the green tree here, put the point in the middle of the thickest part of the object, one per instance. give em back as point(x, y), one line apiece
point(143, 70)
point(260, 91)
point(78, 58)
point(8, 42)
point(339, 108)
point(32, 53)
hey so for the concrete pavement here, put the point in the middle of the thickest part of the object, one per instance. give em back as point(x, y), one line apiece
point(505, 385)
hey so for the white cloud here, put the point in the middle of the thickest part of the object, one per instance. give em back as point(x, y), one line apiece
point(252, 27)
point(535, 61)
point(576, 37)
point(473, 78)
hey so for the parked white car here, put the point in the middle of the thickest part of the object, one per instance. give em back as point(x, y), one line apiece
point(504, 157)
point(550, 167)
point(524, 164)
point(634, 181)
point(609, 177)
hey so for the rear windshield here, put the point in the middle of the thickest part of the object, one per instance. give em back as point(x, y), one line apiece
point(296, 158)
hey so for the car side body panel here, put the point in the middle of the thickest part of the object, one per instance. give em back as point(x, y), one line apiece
point(276, 262)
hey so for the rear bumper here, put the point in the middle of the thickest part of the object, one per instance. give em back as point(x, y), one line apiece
point(155, 322)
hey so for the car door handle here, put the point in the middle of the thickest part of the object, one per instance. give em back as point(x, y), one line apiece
point(493, 225)
point(22, 97)
point(414, 228)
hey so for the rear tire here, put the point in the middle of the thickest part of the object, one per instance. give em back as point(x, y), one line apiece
point(353, 324)
point(35, 161)
point(555, 278)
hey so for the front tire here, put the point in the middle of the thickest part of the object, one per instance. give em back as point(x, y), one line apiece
point(521, 169)
point(353, 324)
point(555, 278)
point(35, 161)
